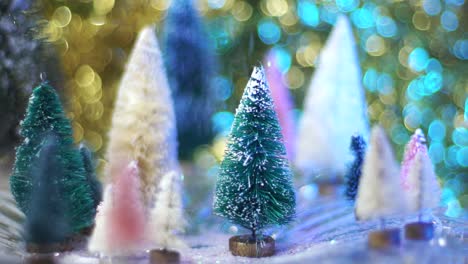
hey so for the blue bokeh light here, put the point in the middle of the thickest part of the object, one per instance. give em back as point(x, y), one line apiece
point(268, 31)
point(437, 152)
point(385, 83)
point(386, 27)
point(451, 157)
point(363, 18)
point(432, 7)
point(370, 80)
point(418, 59)
point(462, 156)
point(222, 122)
point(347, 5)
point(283, 58)
point(308, 13)
point(432, 82)
point(437, 130)
point(460, 136)
point(449, 20)
point(399, 134)
point(223, 87)
point(433, 65)
point(216, 4)
point(455, 2)
point(460, 49)
point(328, 13)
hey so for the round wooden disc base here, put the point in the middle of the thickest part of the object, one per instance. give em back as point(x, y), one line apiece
point(419, 231)
point(47, 248)
point(164, 256)
point(383, 239)
point(41, 259)
point(245, 246)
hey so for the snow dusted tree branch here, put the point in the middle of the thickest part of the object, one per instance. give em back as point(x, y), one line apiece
point(167, 217)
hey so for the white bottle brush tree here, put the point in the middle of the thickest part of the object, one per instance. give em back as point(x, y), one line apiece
point(167, 219)
point(380, 193)
point(423, 190)
point(143, 125)
point(334, 108)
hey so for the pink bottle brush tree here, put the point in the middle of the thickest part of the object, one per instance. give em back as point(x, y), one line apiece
point(120, 224)
point(128, 214)
point(283, 101)
point(417, 144)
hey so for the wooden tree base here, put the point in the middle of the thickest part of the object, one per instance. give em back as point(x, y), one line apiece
point(245, 246)
point(47, 248)
point(383, 239)
point(329, 188)
point(41, 259)
point(419, 231)
point(164, 256)
point(87, 231)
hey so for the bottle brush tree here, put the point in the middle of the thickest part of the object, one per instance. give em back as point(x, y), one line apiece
point(45, 115)
point(358, 148)
point(416, 144)
point(143, 123)
point(128, 219)
point(47, 223)
point(121, 220)
point(380, 193)
point(100, 239)
point(423, 188)
point(167, 217)
point(334, 108)
point(254, 187)
point(190, 66)
point(90, 168)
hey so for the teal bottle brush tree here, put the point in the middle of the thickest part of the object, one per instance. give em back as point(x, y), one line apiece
point(47, 227)
point(44, 115)
point(254, 187)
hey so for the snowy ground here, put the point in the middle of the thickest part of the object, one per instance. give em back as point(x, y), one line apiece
point(325, 232)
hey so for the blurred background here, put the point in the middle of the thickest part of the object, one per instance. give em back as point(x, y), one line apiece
point(413, 56)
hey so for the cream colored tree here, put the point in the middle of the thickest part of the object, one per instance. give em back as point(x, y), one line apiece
point(143, 125)
point(167, 217)
point(98, 243)
point(423, 188)
point(334, 108)
point(380, 193)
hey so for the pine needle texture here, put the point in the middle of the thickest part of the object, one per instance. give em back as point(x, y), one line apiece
point(380, 193)
point(143, 124)
point(254, 187)
point(44, 115)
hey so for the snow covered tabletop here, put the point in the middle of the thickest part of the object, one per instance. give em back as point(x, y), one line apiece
point(325, 231)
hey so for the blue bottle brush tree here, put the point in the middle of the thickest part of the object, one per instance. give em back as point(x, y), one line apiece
point(358, 148)
point(47, 222)
point(190, 66)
